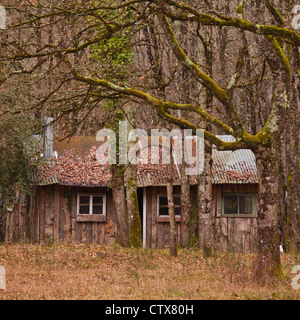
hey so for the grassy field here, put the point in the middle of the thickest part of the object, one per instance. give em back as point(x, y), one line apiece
point(67, 271)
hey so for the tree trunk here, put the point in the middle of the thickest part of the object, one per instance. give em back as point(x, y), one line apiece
point(292, 178)
point(267, 264)
point(173, 246)
point(185, 208)
point(134, 218)
point(135, 227)
point(204, 198)
point(119, 201)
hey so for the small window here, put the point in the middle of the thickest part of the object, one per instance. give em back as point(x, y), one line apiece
point(238, 204)
point(91, 204)
point(163, 210)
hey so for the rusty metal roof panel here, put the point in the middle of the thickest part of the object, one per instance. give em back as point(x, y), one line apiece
point(233, 166)
point(80, 145)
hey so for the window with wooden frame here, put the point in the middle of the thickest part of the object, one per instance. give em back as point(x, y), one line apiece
point(91, 207)
point(238, 204)
point(163, 209)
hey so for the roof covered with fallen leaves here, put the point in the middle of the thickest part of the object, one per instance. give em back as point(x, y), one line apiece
point(75, 164)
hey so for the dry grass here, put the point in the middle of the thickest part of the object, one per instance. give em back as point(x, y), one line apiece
point(67, 271)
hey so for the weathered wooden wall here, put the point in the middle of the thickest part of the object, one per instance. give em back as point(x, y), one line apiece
point(15, 224)
point(234, 233)
point(231, 233)
point(52, 216)
point(158, 229)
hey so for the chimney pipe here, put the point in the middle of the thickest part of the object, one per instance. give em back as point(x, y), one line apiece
point(48, 138)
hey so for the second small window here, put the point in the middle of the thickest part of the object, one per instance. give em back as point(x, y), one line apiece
point(163, 209)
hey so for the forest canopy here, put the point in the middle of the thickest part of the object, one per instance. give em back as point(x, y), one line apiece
point(228, 67)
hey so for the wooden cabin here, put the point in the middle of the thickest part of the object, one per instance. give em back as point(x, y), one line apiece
point(72, 201)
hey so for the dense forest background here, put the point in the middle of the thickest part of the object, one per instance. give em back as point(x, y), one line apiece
point(228, 67)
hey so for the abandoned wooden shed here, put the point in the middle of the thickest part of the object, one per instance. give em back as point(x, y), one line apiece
point(72, 201)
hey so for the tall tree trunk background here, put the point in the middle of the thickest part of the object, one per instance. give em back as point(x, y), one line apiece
point(119, 201)
point(134, 218)
point(268, 266)
point(170, 193)
point(185, 207)
point(268, 263)
point(204, 198)
point(291, 164)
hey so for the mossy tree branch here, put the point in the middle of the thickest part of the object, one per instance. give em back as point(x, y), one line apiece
point(244, 141)
point(275, 13)
point(190, 14)
point(204, 79)
point(182, 12)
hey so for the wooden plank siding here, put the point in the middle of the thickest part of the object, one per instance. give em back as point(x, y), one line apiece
point(15, 224)
point(51, 215)
point(234, 233)
point(53, 211)
point(231, 233)
point(160, 228)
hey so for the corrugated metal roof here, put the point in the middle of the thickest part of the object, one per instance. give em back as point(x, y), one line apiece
point(82, 168)
point(81, 145)
point(233, 166)
point(155, 175)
